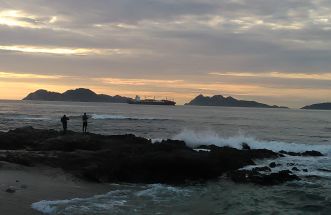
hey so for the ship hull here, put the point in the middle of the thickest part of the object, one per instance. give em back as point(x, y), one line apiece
point(169, 103)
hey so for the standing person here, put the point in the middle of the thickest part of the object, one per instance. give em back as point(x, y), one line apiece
point(64, 121)
point(84, 118)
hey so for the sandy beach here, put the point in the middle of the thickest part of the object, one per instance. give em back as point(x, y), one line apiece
point(33, 184)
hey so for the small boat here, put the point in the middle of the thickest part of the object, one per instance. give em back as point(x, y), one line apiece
point(139, 101)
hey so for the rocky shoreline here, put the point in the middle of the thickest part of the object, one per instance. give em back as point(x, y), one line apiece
point(127, 158)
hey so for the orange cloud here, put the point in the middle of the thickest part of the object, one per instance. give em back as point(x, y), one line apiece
point(17, 86)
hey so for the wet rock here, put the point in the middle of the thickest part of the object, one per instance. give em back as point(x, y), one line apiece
point(312, 153)
point(10, 190)
point(262, 169)
point(306, 153)
point(295, 169)
point(249, 176)
point(305, 170)
point(324, 170)
point(273, 165)
point(245, 146)
point(123, 158)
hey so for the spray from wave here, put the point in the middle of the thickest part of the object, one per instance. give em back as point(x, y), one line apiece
point(197, 138)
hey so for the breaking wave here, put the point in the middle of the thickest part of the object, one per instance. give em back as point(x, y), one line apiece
point(197, 138)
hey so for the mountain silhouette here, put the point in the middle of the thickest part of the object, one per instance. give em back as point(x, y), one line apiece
point(77, 95)
point(319, 106)
point(219, 100)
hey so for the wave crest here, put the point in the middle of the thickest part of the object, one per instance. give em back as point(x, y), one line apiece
point(197, 138)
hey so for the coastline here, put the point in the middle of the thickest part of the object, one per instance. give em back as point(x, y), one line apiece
point(39, 164)
point(33, 184)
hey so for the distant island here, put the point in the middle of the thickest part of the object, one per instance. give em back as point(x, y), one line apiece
point(320, 106)
point(77, 95)
point(219, 100)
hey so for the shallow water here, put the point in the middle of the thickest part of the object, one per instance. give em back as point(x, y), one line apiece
point(275, 129)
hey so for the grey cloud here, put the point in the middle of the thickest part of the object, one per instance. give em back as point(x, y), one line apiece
point(252, 35)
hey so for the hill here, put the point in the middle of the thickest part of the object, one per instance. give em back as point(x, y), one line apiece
point(219, 100)
point(320, 106)
point(77, 95)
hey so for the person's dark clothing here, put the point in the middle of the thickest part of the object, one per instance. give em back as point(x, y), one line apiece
point(64, 121)
point(84, 118)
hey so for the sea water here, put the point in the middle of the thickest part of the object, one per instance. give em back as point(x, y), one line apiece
point(275, 129)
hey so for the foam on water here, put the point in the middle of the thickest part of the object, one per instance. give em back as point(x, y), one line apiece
point(112, 202)
point(197, 138)
point(80, 205)
point(121, 117)
point(158, 191)
point(26, 117)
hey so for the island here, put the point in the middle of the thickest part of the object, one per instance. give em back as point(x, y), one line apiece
point(319, 106)
point(77, 95)
point(219, 100)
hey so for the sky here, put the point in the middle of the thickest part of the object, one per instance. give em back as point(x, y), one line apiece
point(272, 51)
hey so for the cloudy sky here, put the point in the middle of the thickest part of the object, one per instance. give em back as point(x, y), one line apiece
point(273, 51)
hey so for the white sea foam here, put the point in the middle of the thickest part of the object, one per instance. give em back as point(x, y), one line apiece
point(23, 117)
point(160, 191)
point(121, 117)
point(197, 138)
point(106, 202)
point(111, 202)
point(156, 140)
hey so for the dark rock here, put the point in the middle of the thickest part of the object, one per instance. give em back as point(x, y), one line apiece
point(123, 158)
point(290, 164)
point(295, 169)
point(245, 146)
point(263, 169)
point(305, 170)
point(250, 176)
point(324, 170)
point(273, 165)
point(294, 153)
point(306, 153)
point(312, 153)
point(10, 190)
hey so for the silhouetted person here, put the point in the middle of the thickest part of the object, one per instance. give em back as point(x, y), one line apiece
point(64, 121)
point(84, 118)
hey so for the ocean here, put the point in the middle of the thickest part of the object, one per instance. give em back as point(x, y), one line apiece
point(275, 129)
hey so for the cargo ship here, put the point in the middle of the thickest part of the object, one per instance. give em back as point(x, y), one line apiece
point(139, 101)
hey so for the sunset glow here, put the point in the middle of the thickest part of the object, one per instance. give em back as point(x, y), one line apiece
point(276, 52)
